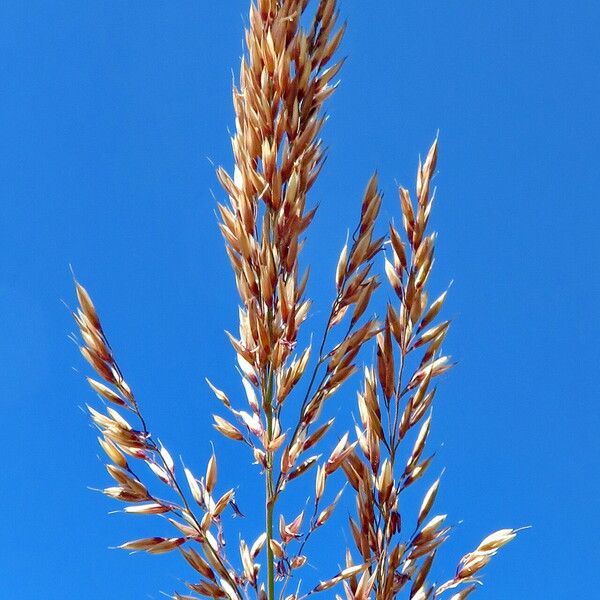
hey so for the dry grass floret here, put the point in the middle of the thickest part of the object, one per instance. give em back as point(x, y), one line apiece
point(286, 76)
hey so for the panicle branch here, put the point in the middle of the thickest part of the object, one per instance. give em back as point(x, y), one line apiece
point(123, 443)
point(397, 394)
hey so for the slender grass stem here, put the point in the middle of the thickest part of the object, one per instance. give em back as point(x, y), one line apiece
point(269, 495)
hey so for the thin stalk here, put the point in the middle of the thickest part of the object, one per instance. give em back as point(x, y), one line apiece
point(269, 495)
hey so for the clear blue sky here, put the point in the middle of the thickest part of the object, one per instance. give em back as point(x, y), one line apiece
point(108, 114)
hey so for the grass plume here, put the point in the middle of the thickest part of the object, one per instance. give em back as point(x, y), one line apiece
point(286, 76)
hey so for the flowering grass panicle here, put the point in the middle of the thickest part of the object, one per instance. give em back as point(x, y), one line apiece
point(286, 76)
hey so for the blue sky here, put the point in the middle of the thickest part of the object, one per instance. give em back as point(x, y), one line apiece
point(110, 116)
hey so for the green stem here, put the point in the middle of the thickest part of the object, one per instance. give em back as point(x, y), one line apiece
point(270, 558)
point(269, 495)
